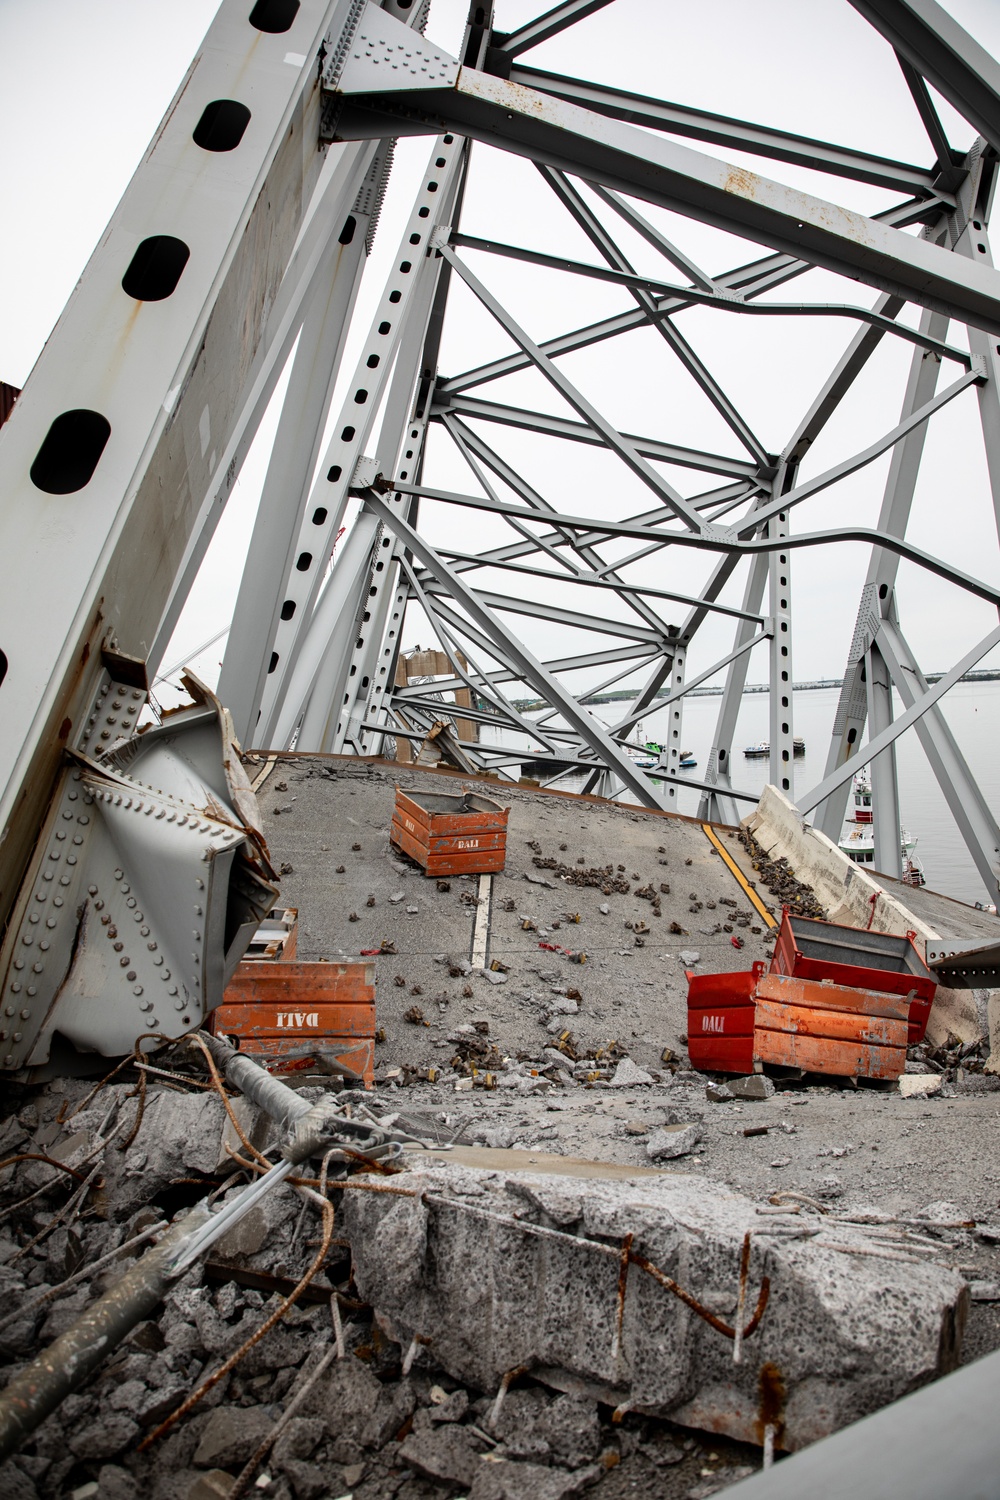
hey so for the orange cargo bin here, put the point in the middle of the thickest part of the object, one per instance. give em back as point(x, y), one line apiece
point(277, 1008)
point(884, 961)
point(464, 835)
point(830, 1028)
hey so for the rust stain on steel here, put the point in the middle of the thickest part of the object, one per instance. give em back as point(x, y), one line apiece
point(516, 97)
point(741, 182)
point(698, 1307)
point(773, 1396)
point(622, 1288)
point(8, 395)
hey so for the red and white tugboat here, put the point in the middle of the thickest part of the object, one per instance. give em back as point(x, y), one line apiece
point(857, 840)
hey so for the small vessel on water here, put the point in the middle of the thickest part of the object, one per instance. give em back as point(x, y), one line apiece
point(763, 748)
point(857, 839)
point(650, 757)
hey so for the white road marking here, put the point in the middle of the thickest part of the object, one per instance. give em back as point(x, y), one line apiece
point(481, 927)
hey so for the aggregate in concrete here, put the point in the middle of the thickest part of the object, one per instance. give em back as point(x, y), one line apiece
point(498, 1271)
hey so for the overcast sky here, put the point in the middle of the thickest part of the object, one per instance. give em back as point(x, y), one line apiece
point(82, 88)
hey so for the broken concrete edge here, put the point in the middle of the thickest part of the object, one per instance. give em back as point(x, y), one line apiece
point(854, 897)
point(532, 1265)
point(903, 1449)
point(269, 759)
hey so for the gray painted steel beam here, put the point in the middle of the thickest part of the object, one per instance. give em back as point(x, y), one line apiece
point(965, 800)
point(161, 384)
point(885, 786)
point(545, 27)
point(285, 494)
point(709, 298)
point(734, 135)
point(728, 541)
point(913, 713)
point(591, 580)
point(579, 432)
point(599, 424)
point(720, 193)
point(751, 280)
point(596, 232)
point(897, 501)
point(532, 670)
point(945, 54)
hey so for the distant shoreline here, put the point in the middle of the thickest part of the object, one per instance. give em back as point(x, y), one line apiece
point(527, 704)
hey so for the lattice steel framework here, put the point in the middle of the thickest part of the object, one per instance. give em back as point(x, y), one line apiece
point(242, 239)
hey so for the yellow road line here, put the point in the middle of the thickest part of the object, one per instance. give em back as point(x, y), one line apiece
point(738, 873)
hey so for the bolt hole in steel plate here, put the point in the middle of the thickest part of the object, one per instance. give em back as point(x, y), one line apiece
point(70, 452)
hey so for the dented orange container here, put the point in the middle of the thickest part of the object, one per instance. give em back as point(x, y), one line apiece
point(884, 961)
point(464, 835)
point(274, 1008)
point(738, 1022)
point(830, 1028)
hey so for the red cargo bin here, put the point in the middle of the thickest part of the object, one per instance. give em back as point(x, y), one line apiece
point(464, 835)
point(721, 1011)
point(739, 1021)
point(882, 961)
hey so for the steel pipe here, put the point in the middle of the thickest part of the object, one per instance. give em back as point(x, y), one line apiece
point(38, 1390)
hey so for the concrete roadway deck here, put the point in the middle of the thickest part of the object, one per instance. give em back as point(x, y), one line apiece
point(864, 1148)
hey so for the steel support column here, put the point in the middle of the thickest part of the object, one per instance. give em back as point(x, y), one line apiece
point(885, 788)
point(965, 800)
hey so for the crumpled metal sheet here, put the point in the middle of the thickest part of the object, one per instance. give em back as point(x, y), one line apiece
point(147, 884)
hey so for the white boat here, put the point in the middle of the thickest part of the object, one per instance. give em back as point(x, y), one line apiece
point(763, 748)
point(857, 839)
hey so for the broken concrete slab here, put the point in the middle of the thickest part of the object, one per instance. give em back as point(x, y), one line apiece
point(628, 1074)
point(448, 1454)
point(918, 1085)
point(535, 1425)
point(673, 1140)
point(231, 1435)
point(498, 1480)
point(753, 1086)
point(532, 1267)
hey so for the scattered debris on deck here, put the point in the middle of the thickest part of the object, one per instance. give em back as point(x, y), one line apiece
point(540, 1251)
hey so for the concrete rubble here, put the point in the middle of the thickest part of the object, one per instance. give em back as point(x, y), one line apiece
point(531, 1264)
point(478, 1290)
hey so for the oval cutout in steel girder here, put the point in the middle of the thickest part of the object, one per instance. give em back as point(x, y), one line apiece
point(274, 16)
point(70, 452)
point(221, 125)
point(155, 268)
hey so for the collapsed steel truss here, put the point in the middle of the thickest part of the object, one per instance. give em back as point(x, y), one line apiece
point(239, 242)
